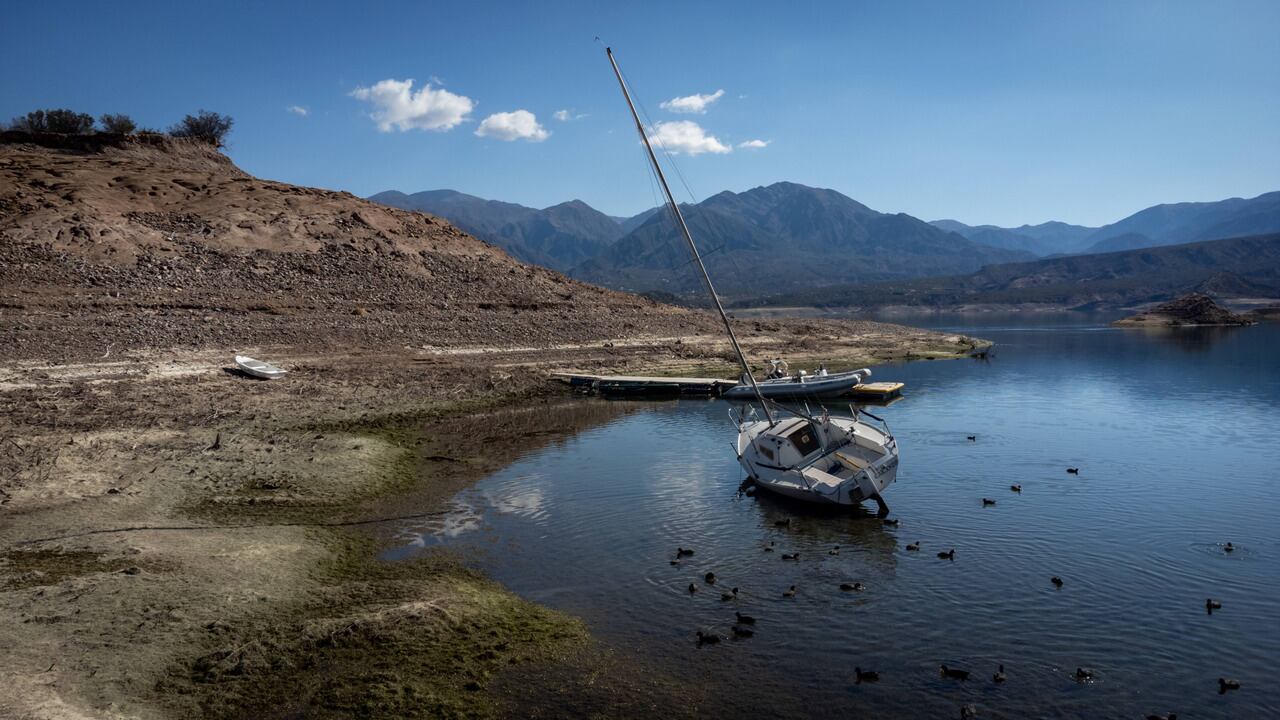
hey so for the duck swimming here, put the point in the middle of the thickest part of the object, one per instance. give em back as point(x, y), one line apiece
point(999, 676)
point(1210, 605)
point(707, 638)
point(834, 551)
point(744, 619)
point(789, 592)
point(862, 676)
point(731, 595)
point(953, 673)
point(893, 523)
point(1016, 488)
point(1073, 471)
point(1229, 547)
point(791, 556)
point(1082, 674)
point(1057, 581)
point(1225, 684)
point(742, 632)
point(856, 587)
point(987, 501)
point(710, 578)
point(914, 546)
point(948, 555)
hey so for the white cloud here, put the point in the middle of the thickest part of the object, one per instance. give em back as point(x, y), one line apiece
point(397, 106)
point(509, 126)
point(685, 136)
point(754, 144)
point(298, 110)
point(691, 103)
point(567, 115)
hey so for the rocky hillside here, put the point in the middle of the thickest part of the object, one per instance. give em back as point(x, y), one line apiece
point(1193, 309)
point(110, 243)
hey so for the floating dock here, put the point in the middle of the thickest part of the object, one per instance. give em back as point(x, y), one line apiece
point(639, 385)
point(878, 390)
point(642, 386)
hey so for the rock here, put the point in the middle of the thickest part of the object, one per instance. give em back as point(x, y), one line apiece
point(1193, 309)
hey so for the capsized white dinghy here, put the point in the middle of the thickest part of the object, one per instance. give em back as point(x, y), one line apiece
point(819, 459)
point(259, 369)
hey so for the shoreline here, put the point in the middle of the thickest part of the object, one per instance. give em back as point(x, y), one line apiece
point(220, 531)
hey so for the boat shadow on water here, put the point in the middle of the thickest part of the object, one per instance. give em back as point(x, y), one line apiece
point(817, 526)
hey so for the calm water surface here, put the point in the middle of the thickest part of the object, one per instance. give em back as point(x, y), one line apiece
point(1177, 437)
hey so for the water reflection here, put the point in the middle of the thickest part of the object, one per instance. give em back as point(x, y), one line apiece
point(1178, 455)
point(1190, 339)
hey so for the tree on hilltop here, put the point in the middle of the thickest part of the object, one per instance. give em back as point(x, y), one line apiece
point(206, 125)
point(67, 122)
point(117, 124)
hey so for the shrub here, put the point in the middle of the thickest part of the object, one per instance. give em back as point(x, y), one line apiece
point(117, 124)
point(206, 125)
point(63, 121)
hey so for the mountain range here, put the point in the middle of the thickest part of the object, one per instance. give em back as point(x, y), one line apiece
point(1233, 267)
point(1169, 224)
point(558, 237)
point(784, 236)
point(801, 237)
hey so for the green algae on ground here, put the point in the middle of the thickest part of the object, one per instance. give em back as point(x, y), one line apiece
point(31, 568)
point(410, 639)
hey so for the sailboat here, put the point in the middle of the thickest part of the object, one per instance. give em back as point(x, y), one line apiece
point(815, 458)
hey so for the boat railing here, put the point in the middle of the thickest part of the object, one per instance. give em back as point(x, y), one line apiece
point(741, 416)
point(884, 425)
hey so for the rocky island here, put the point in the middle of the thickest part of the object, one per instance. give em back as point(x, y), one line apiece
point(1188, 310)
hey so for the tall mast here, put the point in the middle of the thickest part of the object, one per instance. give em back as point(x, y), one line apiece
point(684, 230)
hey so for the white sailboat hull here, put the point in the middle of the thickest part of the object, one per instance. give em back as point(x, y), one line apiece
point(850, 462)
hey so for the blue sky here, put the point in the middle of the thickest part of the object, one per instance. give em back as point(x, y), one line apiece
point(987, 112)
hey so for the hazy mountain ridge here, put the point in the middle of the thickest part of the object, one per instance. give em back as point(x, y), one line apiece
point(1047, 238)
point(1234, 267)
point(1166, 224)
point(558, 237)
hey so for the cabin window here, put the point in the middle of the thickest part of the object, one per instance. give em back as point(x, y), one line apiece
point(804, 439)
point(765, 451)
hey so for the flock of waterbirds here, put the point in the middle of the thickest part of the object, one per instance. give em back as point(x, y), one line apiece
point(743, 626)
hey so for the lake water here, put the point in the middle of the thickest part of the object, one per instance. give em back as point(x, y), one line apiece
point(1177, 437)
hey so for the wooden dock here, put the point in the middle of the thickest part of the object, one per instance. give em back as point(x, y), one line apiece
point(642, 385)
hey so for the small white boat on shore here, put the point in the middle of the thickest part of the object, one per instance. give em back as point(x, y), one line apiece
point(259, 369)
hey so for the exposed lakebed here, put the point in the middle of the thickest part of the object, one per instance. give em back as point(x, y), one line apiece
point(1175, 436)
